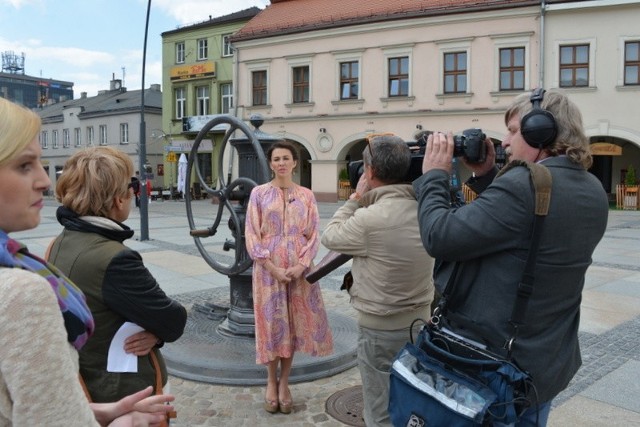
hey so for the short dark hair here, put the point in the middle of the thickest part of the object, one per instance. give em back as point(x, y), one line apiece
point(389, 157)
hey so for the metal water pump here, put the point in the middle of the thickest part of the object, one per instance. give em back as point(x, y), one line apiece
point(233, 196)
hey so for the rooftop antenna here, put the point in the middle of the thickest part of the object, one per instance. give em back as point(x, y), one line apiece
point(12, 63)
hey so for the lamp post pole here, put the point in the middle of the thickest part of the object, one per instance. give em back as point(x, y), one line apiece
point(142, 153)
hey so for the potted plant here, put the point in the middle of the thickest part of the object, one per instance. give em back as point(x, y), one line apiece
point(343, 175)
point(631, 189)
point(344, 187)
point(630, 178)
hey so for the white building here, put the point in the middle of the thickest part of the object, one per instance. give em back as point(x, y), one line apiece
point(112, 117)
point(326, 73)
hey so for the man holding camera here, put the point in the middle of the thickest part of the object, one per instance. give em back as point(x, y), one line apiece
point(488, 240)
point(392, 272)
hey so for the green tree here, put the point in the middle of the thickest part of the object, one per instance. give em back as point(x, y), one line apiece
point(630, 177)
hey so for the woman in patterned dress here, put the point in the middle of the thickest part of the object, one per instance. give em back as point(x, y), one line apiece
point(282, 239)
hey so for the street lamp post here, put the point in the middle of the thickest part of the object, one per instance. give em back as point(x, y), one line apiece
point(144, 198)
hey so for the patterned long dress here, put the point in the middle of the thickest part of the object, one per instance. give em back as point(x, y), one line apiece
point(282, 226)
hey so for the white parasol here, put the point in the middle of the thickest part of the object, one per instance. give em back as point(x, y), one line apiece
point(182, 174)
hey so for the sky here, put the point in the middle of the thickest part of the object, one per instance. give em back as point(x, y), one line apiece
point(89, 42)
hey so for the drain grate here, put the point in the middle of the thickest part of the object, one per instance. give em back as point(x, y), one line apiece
point(346, 406)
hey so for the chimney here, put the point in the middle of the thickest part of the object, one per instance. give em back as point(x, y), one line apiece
point(115, 84)
point(155, 87)
point(83, 95)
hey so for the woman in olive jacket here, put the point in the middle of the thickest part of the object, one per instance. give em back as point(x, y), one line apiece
point(95, 190)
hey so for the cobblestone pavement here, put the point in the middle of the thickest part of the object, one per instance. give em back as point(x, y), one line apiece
point(605, 391)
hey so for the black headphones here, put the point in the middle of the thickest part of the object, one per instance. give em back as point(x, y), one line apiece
point(538, 127)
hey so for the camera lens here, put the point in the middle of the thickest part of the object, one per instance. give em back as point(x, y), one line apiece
point(470, 145)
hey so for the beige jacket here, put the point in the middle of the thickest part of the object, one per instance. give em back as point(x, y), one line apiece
point(38, 367)
point(392, 272)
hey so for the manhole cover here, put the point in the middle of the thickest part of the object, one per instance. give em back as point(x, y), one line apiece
point(347, 405)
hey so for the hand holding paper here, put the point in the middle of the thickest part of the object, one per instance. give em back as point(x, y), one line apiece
point(118, 360)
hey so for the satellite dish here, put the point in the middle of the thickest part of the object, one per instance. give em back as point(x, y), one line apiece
point(157, 134)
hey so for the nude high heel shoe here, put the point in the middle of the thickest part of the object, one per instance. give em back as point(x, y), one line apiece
point(286, 406)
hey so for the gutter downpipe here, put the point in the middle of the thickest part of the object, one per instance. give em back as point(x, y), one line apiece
point(236, 78)
point(542, 38)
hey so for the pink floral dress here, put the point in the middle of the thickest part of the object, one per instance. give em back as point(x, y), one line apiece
point(282, 225)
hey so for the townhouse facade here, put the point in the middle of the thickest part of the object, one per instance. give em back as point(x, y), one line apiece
point(327, 73)
point(112, 118)
point(598, 66)
point(198, 81)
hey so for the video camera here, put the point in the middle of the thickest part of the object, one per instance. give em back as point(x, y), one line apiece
point(468, 144)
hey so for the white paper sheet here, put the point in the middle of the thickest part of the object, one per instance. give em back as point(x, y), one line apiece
point(118, 360)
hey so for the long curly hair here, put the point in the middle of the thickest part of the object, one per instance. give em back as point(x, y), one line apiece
point(571, 139)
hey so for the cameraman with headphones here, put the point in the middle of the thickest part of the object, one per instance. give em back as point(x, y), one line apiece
point(486, 243)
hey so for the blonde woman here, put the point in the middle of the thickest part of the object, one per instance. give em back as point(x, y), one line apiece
point(44, 319)
point(95, 190)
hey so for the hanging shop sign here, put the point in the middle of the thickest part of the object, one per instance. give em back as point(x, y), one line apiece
point(605, 149)
point(185, 146)
point(193, 71)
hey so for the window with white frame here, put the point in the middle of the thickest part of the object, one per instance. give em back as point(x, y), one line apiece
point(574, 65)
point(350, 80)
point(180, 53)
point(77, 137)
point(511, 59)
point(202, 100)
point(512, 70)
point(348, 75)
point(103, 134)
point(397, 71)
point(300, 87)
point(632, 63)
point(398, 76)
point(454, 66)
point(181, 101)
point(124, 133)
point(44, 139)
point(66, 138)
point(54, 139)
point(455, 72)
point(90, 136)
point(227, 49)
point(259, 87)
point(203, 49)
point(226, 98)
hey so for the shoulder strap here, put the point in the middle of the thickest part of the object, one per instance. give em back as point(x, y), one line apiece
point(47, 252)
point(542, 182)
point(158, 386)
point(84, 387)
point(541, 179)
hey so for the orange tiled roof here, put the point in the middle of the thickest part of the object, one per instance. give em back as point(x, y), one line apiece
point(291, 16)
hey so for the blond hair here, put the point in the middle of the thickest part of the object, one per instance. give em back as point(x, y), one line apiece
point(18, 127)
point(92, 178)
point(571, 139)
